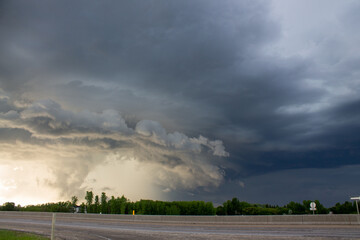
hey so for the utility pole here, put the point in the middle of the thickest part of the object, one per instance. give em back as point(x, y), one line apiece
point(357, 203)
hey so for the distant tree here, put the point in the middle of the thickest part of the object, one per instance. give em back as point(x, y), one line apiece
point(50, 207)
point(8, 206)
point(242, 206)
point(89, 196)
point(121, 205)
point(160, 207)
point(220, 210)
point(172, 210)
point(251, 211)
point(104, 205)
point(96, 204)
point(228, 210)
point(320, 209)
point(234, 207)
point(74, 200)
point(111, 204)
point(209, 209)
point(82, 207)
point(296, 208)
point(345, 208)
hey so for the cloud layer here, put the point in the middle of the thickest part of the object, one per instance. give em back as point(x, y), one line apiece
point(177, 161)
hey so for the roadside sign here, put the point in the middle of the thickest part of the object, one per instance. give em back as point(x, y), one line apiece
point(313, 207)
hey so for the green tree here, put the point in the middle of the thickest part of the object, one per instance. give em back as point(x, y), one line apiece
point(129, 207)
point(112, 205)
point(234, 207)
point(209, 209)
point(96, 204)
point(82, 207)
point(242, 206)
point(89, 196)
point(74, 200)
point(296, 208)
point(172, 210)
point(123, 203)
point(345, 208)
point(320, 209)
point(220, 210)
point(104, 205)
point(8, 206)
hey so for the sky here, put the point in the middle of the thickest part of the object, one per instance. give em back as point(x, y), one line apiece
point(180, 100)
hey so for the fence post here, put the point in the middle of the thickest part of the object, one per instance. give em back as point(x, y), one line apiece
point(53, 226)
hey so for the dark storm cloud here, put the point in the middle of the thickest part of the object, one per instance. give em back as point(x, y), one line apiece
point(193, 52)
point(184, 51)
point(208, 68)
point(168, 39)
point(279, 187)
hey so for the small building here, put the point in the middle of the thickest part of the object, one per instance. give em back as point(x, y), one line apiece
point(77, 209)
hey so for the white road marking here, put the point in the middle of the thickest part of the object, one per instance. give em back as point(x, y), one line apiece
point(103, 237)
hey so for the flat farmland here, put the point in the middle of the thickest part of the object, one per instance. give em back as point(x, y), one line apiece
point(94, 226)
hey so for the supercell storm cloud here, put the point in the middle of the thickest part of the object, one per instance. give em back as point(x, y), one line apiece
point(203, 100)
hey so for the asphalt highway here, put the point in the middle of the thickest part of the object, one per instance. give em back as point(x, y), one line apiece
point(81, 226)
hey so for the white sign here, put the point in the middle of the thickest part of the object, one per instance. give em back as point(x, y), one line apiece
point(313, 205)
point(313, 209)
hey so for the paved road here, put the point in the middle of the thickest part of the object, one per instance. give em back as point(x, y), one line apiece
point(83, 227)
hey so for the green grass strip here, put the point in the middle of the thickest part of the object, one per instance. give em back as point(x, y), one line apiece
point(14, 235)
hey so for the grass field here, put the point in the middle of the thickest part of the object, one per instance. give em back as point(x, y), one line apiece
point(13, 235)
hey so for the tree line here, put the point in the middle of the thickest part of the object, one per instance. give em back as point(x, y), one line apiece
point(236, 207)
point(121, 205)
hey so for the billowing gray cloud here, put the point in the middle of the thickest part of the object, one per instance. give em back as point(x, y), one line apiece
point(182, 162)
